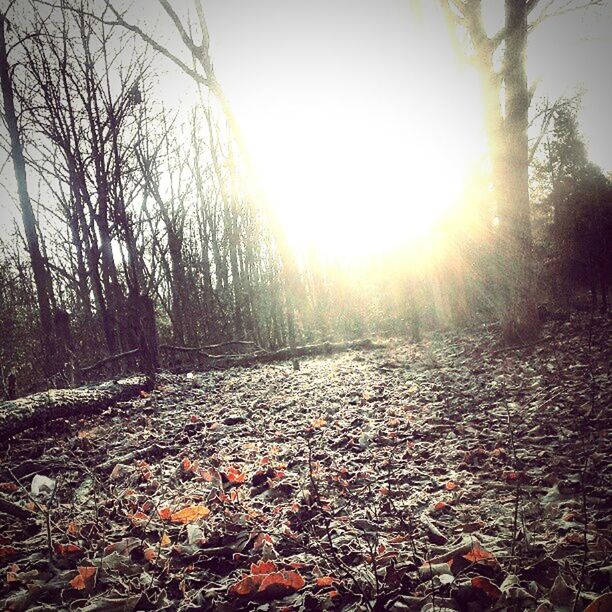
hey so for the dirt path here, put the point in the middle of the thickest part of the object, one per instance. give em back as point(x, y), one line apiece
point(345, 484)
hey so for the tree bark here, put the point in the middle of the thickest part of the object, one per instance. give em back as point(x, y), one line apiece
point(519, 315)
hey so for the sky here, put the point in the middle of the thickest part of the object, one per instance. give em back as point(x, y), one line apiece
point(360, 121)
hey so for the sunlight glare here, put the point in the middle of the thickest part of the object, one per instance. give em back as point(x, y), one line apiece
point(358, 168)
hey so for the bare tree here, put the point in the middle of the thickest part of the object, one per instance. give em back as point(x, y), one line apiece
point(42, 278)
point(508, 140)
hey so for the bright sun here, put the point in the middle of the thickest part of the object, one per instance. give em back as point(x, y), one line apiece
point(352, 186)
point(364, 154)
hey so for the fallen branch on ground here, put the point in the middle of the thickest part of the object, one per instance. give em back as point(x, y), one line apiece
point(236, 360)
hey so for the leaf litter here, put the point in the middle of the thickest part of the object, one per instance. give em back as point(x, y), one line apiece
point(439, 475)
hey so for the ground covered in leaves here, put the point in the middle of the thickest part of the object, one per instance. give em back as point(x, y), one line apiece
point(440, 475)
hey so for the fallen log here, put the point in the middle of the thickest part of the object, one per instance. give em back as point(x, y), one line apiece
point(308, 350)
point(208, 347)
point(21, 414)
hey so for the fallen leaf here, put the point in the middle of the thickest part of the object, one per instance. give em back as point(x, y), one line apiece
point(190, 514)
point(324, 581)
point(11, 573)
point(602, 604)
point(165, 514)
point(318, 423)
point(165, 540)
point(80, 581)
point(235, 476)
point(478, 554)
point(263, 567)
point(66, 549)
point(246, 586)
point(484, 584)
point(72, 528)
point(139, 518)
point(7, 551)
point(281, 583)
point(450, 485)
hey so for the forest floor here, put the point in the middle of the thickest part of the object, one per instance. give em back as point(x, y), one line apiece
point(440, 475)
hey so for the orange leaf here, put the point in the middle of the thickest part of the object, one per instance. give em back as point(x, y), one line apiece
point(296, 564)
point(11, 573)
point(8, 487)
point(263, 567)
point(138, 518)
point(261, 539)
point(79, 582)
point(246, 586)
point(478, 553)
point(451, 486)
point(66, 549)
point(72, 528)
point(190, 514)
point(324, 581)
point(317, 423)
point(235, 476)
point(6, 551)
point(487, 586)
point(150, 554)
point(441, 506)
point(164, 514)
point(186, 464)
point(165, 540)
point(194, 418)
point(283, 581)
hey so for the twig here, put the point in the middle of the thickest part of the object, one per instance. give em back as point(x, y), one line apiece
point(8, 507)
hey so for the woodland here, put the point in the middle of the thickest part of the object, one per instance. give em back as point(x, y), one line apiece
point(196, 415)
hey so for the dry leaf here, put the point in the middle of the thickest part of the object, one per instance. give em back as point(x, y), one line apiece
point(66, 549)
point(492, 590)
point(165, 540)
point(80, 581)
point(190, 514)
point(235, 476)
point(324, 581)
point(479, 554)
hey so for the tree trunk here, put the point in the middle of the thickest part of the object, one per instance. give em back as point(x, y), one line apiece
point(519, 315)
point(42, 278)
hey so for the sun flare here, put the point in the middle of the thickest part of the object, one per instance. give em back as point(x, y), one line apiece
point(358, 165)
point(352, 186)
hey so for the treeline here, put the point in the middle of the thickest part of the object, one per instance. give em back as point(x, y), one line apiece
point(128, 206)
